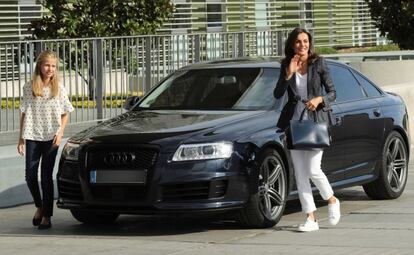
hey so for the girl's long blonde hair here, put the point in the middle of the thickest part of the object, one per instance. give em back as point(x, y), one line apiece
point(37, 82)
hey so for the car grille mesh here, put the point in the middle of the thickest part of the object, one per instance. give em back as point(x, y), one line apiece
point(194, 191)
point(139, 158)
point(107, 157)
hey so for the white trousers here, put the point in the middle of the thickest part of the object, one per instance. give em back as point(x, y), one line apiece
point(307, 164)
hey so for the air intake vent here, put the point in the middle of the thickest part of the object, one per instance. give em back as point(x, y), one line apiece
point(70, 190)
point(68, 182)
point(194, 191)
point(119, 193)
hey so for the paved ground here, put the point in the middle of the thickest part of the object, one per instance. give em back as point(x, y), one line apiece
point(367, 227)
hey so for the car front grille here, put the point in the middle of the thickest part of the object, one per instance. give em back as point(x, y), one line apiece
point(121, 158)
point(194, 191)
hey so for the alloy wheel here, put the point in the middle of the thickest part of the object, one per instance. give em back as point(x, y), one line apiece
point(396, 164)
point(272, 187)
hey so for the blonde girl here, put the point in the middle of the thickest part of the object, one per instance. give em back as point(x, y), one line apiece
point(44, 114)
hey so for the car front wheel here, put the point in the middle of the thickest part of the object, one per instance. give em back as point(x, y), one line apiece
point(91, 217)
point(265, 208)
point(392, 170)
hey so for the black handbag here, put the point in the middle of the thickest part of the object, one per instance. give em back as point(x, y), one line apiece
point(308, 134)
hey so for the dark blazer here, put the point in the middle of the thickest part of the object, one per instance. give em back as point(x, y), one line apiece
point(318, 79)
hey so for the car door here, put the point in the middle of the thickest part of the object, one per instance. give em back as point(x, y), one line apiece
point(333, 159)
point(362, 124)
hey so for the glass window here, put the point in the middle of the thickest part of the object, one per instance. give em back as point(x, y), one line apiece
point(260, 94)
point(370, 89)
point(308, 12)
point(221, 88)
point(347, 88)
point(214, 15)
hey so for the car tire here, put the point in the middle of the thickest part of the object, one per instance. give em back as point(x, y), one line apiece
point(393, 170)
point(91, 217)
point(265, 208)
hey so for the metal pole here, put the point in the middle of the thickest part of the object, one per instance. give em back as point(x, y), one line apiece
point(279, 35)
point(197, 48)
point(241, 44)
point(147, 64)
point(98, 53)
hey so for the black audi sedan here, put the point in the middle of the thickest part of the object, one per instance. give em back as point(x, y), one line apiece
point(205, 140)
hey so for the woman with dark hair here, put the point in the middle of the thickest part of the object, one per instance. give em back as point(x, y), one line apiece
point(304, 75)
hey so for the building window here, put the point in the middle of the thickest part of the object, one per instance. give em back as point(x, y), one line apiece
point(214, 18)
point(308, 12)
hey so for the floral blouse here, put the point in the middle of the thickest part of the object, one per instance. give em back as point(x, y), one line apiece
point(43, 114)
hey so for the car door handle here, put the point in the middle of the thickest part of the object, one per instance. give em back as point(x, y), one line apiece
point(377, 112)
point(338, 120)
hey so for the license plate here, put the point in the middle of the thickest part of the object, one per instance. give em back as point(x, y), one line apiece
point(118, 176)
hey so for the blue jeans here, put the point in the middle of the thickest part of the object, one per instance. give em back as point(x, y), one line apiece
point(36, 150)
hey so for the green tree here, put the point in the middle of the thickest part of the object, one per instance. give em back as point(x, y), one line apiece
point(394, 19)
point(96, 18)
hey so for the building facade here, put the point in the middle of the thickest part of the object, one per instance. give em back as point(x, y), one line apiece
point(334, 23)
point(15, 18)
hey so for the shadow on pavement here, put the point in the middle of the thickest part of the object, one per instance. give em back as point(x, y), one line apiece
point(133, 225)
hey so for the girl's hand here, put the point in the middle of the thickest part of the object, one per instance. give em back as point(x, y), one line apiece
point(57, 140)
point(314, 103)
point(20, 146)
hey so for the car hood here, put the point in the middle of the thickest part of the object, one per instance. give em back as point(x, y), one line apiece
point(149, 126)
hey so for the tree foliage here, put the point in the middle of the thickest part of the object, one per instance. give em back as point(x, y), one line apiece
point(97, 18)
point(394, 19)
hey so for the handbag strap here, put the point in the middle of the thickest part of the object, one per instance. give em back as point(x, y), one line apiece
point(299, 99)
point(315, 118)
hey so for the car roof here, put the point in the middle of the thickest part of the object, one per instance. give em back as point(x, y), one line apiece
point(244, 62)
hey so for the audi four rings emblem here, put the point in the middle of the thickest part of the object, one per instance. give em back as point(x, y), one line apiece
point(119, 158)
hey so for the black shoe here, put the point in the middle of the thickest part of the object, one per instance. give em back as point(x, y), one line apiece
point(45, 226)
point(36, 222)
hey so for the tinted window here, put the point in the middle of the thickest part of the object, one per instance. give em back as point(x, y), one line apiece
point(224, 88)
point(347, 88)
point(260, 94)
point(370, 89)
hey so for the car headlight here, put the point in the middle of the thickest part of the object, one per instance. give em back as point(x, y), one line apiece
point(71, 151)
point(203, 151)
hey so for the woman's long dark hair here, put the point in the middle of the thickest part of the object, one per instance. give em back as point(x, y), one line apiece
point(290, 43)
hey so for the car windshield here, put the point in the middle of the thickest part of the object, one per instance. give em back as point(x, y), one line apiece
point(216, 89)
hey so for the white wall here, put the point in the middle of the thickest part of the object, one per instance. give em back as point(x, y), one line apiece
point(387, 72)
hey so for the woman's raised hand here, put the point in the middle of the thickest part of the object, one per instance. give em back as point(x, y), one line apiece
point(293, 67)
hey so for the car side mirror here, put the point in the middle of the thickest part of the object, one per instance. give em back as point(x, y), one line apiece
point(130, 102)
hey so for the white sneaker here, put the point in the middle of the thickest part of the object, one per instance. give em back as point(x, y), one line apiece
point(334, 212)
point(309, 225)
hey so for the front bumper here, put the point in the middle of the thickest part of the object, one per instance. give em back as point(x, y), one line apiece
point(171, 187)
